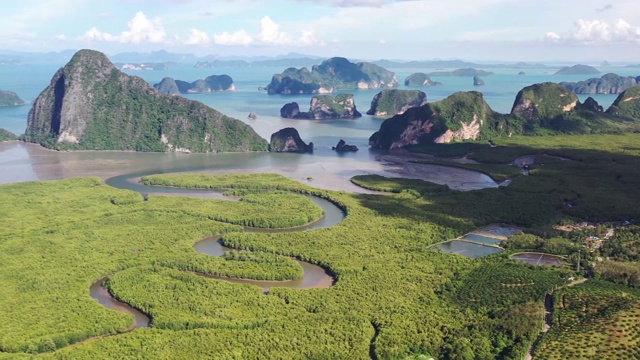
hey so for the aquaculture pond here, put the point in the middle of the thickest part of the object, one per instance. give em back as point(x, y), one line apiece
point(539, 259)
point(481, 242)
point(467, 249)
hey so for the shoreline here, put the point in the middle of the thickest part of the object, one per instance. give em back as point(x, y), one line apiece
point(32, 162)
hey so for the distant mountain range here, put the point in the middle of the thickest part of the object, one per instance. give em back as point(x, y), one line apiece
point(10, 57)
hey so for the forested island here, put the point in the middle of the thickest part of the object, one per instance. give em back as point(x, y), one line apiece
point(539, 109)
point(331, 75)
point(321, 107)
point(9, 98)
point(212, 83)
point(420, 79)
point(395, 101)
point(91, 105)
point(577, 70)
point(606, 84)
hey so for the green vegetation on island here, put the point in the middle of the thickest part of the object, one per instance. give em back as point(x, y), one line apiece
point(331, 75)
point(342, 106)
point(288, 140)
point(606, 84)
point(540, 109)
point(91, 105)
point(394, 101)
point(460, 116)
point(9, 98)
point(6, 135)
point(627, 104)
point(577, 70)
point(420, 79)
point(211, 83)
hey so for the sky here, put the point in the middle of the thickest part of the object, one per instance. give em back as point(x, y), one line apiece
point(473, 30)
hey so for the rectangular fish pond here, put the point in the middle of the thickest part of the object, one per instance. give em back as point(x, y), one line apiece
point(485, 240)
point(479, 243)
point(467, 249)
point(539, 259)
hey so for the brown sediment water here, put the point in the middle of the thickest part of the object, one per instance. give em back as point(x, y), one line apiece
point(102, 295)
point(28, 162)
point(314, 276)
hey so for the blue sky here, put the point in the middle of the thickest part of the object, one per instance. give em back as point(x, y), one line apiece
point(509, 30)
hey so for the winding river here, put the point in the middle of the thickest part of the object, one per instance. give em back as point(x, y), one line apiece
point(314, 276)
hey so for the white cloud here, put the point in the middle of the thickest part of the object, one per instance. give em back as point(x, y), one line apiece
point(240, 37)
point(552, 36)
point(308, 38)
point(598, 31)
point(198, 37)
point(141, 29)
point(94, 34)
point(270, 33)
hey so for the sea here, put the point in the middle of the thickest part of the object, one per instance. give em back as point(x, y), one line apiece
point(24, 162)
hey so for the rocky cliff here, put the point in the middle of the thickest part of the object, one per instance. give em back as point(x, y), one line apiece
point(540, 109)
point(460, 116)
point(321, 107)
point(331, 75)
point(92, 105)
point(168, 86)
point(606, 84)
point(288, 140)
point(9, 98)
point(394, 101)
point(342, 146)
point(477, 81)
point(213, 83)
point(627, 104)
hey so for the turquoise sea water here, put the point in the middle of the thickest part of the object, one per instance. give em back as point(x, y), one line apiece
point(500, 91)
point(22, 162)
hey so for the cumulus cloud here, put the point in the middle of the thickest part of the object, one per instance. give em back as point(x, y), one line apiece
point(197, 37)
point(141, 29)
point(598, 31)
point(270, 32)
point(307, 38)
point(240, 37)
